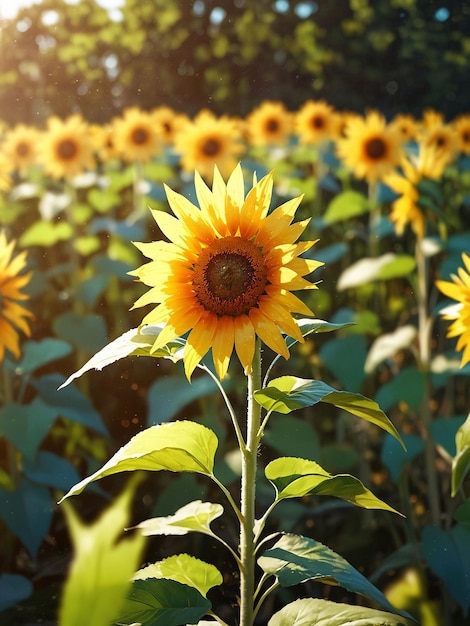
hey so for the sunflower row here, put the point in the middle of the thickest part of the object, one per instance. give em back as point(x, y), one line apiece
point(369, 145)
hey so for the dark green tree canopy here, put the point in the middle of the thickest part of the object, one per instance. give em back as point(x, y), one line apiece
point(228, 55)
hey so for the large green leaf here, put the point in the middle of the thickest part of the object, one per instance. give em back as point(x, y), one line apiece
point(178, 447)
point(162, 602)
point(295, 559)
point(289, 393)
point(447, 554)
point(184, 569)
point(133, 342)
point(461, 461)
point(295, 478)
point(314, 612)
point(345, 205)
point(102, 567)
point(193, 517)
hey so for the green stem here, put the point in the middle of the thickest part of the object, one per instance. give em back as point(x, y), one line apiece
point(424, 339)
point(248, 489)
point(374, 218)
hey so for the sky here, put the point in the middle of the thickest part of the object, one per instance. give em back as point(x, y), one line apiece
point(9, 8)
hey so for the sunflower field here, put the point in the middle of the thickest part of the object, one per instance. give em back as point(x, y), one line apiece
point(168, 264)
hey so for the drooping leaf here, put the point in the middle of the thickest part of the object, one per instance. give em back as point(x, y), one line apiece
point(133, 342)
point(26, 425)
point(162, 602)
point(38, 353)
point(313, 325)
point(314, 612)
point(387, 345)
point(182, 446)
point(184, 569)
point(295, 559)
point(446, 552)
point(193, 517)
point(27, 512)
point(289, 393)
point(13, 588)
point(461, 461)
point(102, 566)
point(295, 478)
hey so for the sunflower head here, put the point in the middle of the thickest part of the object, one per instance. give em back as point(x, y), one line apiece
point(66, 147)
point(406, 125)
point(459, 313)
point(168, 123)
point(269, 124)
point(209, 141)
point(461, 126)
point(136, 137)
point(370, 147)
point(20, 146)
point(315, 122)
point(13, 316)
point(227, 272)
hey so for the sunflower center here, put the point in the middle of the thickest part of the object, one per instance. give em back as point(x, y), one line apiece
point(272, 125)
point(230, 276)
point(466, 136)
point(440, 141)
point(317, 122)
point(210, 147)
point(22, 148)
point(139, 136)
point(67, 149)
point(375, 148)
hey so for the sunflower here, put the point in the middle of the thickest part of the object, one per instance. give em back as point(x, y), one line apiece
point(428, 163)
point(5, 171)
point(227, 273)
point(370, 148)
point(461, 125)
point(13, 316)
point(269, 124)
point(315, 122)
point(208, 140)
point(135, 136)
point(20, 146)
point(103, 142)
point(168, 123)
point(459, 290)
point(66, 147)
point(406, 124)
point(434, 132)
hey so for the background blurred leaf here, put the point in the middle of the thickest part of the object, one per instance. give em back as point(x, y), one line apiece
point(348, 371)
point(38, 353)
point(388, 344)
point(461, 461)
point(13, 589)
point(292, 436)
point(345, 205)
point(51, 470)
point(407, 386)
point(395, 458)
point(85, 331)
point(46, 234)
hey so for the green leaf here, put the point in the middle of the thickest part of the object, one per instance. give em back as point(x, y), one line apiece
point(396, 458)
point(193, 517)
point(133, 342)
point(39, 353)
point(290, 435)
point(461, 461)
point(13, 589)
point(26, 425)
point(162, 602)
point(407, 386)
point(446, 552)
point(346, 205)
point(309, 326)
point(401, 266)
point(295, 559)
point(387, 345)
point(384, 267)
point(349, 372)
point(167, 396)
point(102, 567)
point(86, 332)
point(313, 612)
point(184, 569)
point(289, 393)
point(178, 447)
point(462, 514)
point(295, 478)
point(46, 234)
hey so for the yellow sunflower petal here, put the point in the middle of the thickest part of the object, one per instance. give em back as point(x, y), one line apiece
point(222, 346)
point(199, 342)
